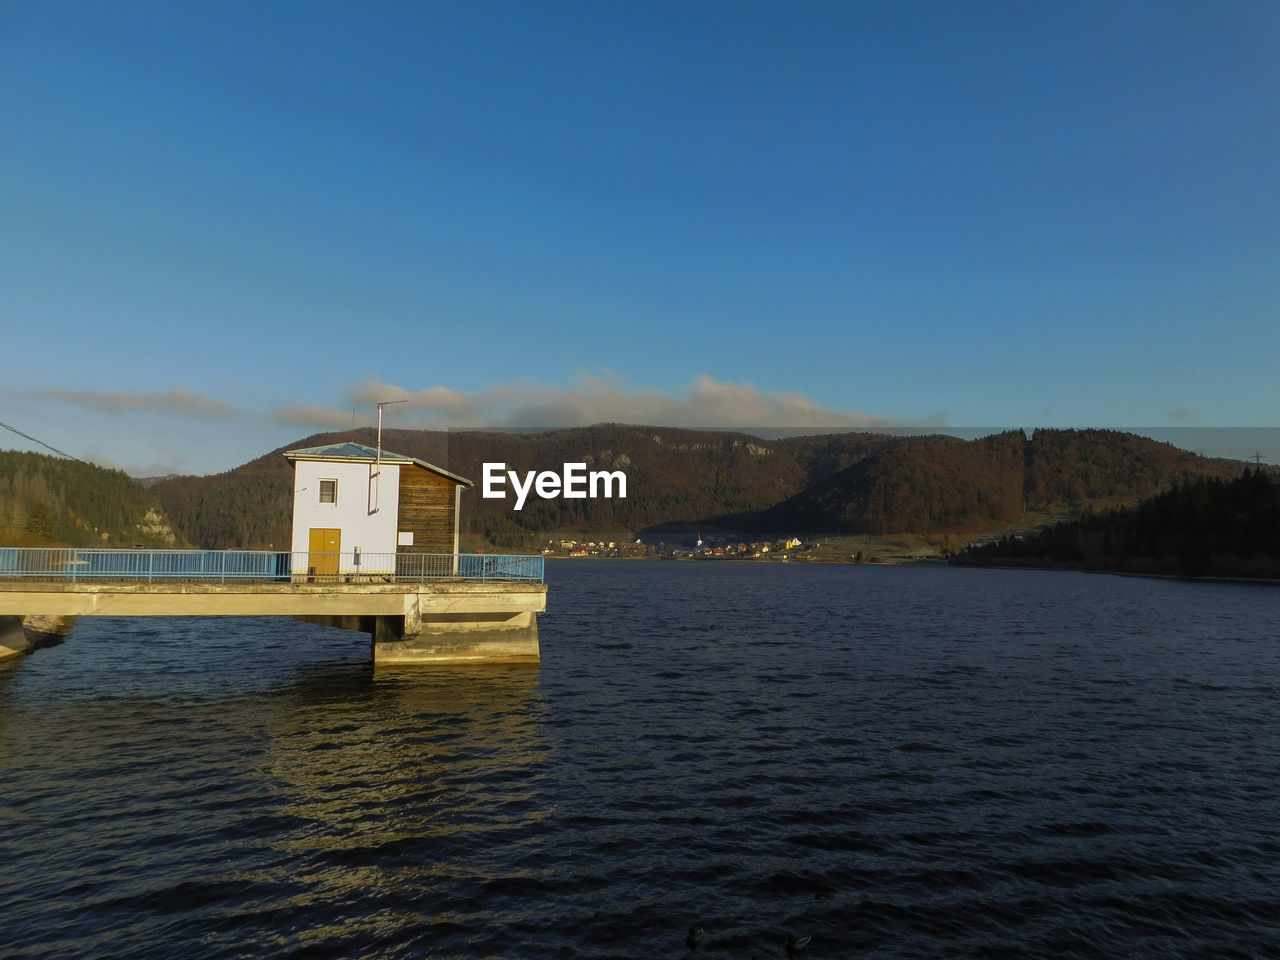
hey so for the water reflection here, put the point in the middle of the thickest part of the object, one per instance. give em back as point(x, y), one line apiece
point(397, 787)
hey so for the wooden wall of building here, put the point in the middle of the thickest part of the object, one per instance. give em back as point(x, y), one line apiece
point(426, 510)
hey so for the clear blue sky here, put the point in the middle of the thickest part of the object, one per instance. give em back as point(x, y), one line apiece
point(223, 226)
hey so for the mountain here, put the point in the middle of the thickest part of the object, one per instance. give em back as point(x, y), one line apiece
point(813, 485)
point(935, 484)
point(48, 500)
point(672, 475)
point(914, 484)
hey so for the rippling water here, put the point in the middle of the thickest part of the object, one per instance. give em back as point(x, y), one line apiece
point(911, 762)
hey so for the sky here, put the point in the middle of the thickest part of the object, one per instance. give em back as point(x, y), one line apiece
point(227, 226)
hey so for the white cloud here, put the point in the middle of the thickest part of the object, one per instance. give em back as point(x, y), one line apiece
point(307, 415)
point(175, 430)
point(705, 402)
point(175, 400)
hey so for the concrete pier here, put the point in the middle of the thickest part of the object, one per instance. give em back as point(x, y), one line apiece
point(433, 622)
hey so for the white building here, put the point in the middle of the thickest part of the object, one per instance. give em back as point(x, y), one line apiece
point(358, 512)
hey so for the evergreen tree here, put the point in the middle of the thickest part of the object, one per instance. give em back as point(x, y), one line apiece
point(39, 523)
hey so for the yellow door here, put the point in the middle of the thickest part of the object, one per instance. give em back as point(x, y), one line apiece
point(324, 547)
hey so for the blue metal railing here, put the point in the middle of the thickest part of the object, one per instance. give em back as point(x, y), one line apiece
point(73, 564)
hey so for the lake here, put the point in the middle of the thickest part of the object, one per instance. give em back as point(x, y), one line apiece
point(896, 762)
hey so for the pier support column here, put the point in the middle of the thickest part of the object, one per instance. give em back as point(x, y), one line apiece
point(457, 638)
point(486, 623)
point(453, 622)
point(13, 639)
point(24, 634)
point(449, 638)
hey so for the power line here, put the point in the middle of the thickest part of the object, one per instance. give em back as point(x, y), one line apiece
point(41, 442)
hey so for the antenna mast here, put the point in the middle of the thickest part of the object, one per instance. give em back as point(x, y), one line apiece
point(377, 490)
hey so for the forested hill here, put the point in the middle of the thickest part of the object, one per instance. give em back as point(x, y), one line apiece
point(1204, 527)
point(49, 500)
point(250, 507)
point(942, 484)
point(672, 475)
point(813, 485)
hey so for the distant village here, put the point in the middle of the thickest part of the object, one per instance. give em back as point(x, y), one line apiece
point(708, 548)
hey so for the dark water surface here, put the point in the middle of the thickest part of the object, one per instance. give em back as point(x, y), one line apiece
point(911, 762)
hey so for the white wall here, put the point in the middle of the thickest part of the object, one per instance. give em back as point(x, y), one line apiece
point(373, 533)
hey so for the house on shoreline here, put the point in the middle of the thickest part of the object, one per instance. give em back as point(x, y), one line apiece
point(357, 510)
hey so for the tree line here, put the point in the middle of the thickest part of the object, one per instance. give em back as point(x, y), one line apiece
point(51, 500)
point(851, 483)
point(1200, 527)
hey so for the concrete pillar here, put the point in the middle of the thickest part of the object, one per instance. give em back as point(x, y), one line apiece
point(459, 638)
point(447, 638)
point(30, 632)
point(13, 639)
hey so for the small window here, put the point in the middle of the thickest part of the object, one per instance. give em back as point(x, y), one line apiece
point(328, 491)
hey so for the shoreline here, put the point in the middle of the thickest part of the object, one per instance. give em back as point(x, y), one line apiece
point(940, 561)
point(1081, 568)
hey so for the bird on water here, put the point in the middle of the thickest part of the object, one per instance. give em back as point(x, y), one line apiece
point(693, 938)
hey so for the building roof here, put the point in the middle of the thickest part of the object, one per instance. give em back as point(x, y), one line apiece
point(359, 453)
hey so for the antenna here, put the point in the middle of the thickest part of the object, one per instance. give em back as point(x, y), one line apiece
point(377, 491)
